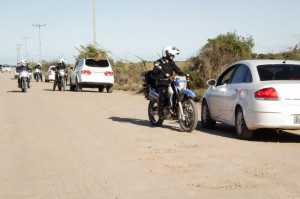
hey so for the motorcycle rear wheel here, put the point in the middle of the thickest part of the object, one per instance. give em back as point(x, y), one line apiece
point(154, 118)
point(63, 84)
point(191, 115)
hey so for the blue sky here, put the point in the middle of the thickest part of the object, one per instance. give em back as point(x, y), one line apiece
point(141, 27)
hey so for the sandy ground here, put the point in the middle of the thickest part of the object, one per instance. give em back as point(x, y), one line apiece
point(98, 145)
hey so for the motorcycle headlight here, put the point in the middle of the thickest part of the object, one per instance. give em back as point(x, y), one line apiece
point(182, 85)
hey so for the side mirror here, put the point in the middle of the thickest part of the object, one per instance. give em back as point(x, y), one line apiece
point(211, 82)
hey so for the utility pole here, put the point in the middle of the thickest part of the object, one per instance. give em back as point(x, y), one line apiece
point(94, 17)
point(26, 53)
point(18, 53)
point(39, 25)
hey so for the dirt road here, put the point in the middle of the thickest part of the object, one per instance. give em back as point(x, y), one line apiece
point(100, 145)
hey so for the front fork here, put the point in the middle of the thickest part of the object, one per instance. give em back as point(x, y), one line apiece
point(181, 115)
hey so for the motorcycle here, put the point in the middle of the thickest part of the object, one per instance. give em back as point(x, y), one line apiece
point(24, 80)
point(178, 106)
point(37, 75)
point(61, 81)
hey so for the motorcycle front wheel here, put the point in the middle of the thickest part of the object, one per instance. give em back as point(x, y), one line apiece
point(63, 82)
point(190, 121)
point(24, 85)
point(154, 118)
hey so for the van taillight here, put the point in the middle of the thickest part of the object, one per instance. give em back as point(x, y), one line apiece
point(267, 94)
point(107, 73)
point(85, 72)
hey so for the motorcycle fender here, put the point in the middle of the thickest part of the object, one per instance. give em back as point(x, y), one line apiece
point(188, 93)
point(153, 96)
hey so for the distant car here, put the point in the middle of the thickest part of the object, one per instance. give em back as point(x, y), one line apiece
point(50, 74)
point(92, 73)
point(254, 94)
point(6, 68)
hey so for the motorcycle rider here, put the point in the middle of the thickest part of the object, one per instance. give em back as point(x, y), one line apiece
point(168, 66)
point(24, 66)
point(39, 66)
point(60, 66)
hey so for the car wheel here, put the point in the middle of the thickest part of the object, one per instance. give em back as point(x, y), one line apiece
point(110, 89)
point(241, 128)
point(101, 89)
point(206, 120)
point(78, 87)
point(72, 88)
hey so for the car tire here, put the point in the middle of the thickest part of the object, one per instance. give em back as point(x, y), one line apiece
point(72, 88)
point(206, 120)
point(78, 87)
point(100, 89)
point(241, 128)
point(110, 89)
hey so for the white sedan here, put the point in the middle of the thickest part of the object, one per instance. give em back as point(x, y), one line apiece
point(254, 94)
point(50, 74)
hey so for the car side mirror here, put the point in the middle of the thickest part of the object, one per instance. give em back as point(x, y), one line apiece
point(211, 82)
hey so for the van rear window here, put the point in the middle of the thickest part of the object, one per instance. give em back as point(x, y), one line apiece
point(279, 72)
point(96, 63)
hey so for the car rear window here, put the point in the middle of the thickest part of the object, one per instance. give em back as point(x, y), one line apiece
point(279, 72)
point(96, 63)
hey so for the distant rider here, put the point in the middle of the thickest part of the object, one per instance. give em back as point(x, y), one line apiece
point(39, 66)
point(24, 67)
point(168, 66)
point(60, 66)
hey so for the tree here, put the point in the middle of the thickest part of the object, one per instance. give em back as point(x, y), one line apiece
point(219, 53)
point(90, 51)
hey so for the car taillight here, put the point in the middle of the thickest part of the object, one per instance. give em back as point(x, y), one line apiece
point(86, 72)
point(267, 93)
point(107, 73)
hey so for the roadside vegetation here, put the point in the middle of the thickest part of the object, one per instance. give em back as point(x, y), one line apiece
point(217, 54)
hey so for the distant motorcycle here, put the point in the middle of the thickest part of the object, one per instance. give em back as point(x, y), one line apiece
point(61, 81)
point(24, 80)
point(37, 74)
point(178, 106)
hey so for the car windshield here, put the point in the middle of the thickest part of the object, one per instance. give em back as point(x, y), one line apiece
point(97, 63)
point(279, 72)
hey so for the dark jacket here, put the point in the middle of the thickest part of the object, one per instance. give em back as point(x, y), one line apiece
point(22, 68)
point(37, 67)
point(168, 68)
point(60, 67)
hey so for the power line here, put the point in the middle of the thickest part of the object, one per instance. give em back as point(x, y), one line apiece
point(40, 25)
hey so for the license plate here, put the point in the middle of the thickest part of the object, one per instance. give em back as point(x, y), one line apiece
point(296, 119)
